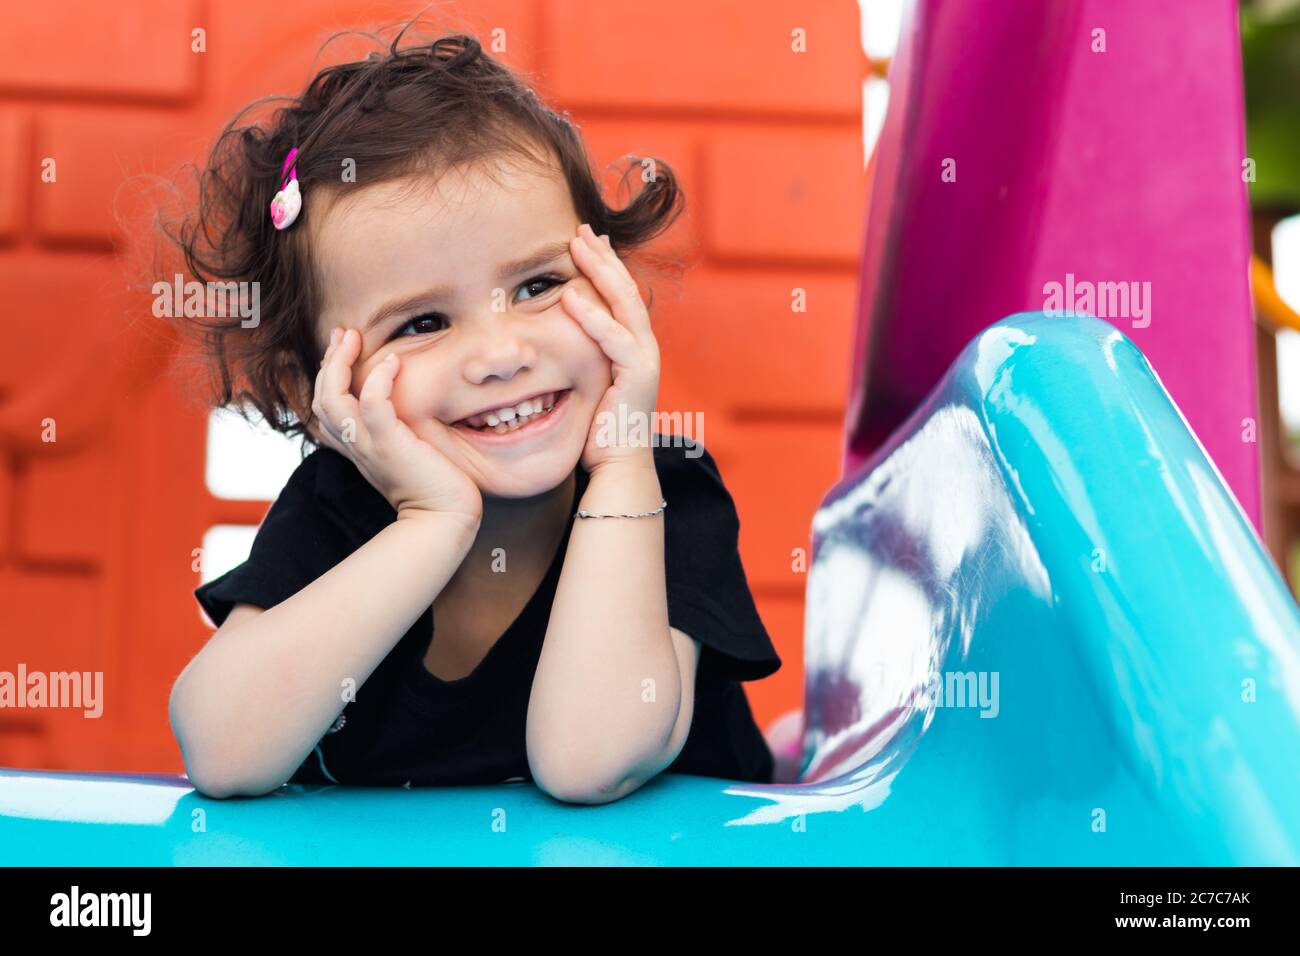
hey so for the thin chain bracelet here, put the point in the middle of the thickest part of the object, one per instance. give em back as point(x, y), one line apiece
point(583, 513)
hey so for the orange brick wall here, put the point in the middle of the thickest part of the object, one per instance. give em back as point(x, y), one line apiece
point(97, 528)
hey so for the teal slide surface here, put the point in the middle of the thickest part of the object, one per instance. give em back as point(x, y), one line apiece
point(1040, 630)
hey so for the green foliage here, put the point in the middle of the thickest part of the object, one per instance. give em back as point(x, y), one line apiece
point(1270, 43)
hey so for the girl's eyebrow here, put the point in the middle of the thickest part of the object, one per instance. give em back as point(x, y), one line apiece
point(546, 254)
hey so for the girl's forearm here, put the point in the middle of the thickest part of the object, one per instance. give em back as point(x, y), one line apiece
point(607, 689)
point(254, 702)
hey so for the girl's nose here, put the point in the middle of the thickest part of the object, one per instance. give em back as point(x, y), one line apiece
point(497, 347)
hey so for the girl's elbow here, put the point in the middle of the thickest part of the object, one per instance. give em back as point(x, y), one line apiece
point(585, 784)
point(223, 787)
point(589, 772)
point(583, 793)
point(213, 786)
point(566, 781)
point(210, 773)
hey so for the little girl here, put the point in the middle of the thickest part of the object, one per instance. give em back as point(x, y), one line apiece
point(469, 580)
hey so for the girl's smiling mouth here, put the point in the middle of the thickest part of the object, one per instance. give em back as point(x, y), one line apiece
point(548, 410)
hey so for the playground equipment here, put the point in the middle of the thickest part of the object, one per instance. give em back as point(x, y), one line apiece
point(1040, 626)
point(1046, 528)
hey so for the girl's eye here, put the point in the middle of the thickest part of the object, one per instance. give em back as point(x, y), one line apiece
point(419, 320)
point(548, 280)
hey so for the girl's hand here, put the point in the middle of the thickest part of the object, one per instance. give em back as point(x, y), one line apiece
point(404, 468)
point(626, 338)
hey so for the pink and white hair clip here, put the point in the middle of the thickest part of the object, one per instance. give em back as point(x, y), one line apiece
point(288, 201)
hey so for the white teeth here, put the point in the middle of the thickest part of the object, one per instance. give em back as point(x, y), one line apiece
point(519, 416)
point(524, 409)
point(508, 419)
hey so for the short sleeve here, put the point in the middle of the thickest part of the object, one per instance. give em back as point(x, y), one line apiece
point(708, 593)
point(294, 546)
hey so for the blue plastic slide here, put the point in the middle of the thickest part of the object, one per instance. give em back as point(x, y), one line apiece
point(1040, 630)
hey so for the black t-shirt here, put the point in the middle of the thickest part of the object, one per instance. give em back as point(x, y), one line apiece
point(409, 727)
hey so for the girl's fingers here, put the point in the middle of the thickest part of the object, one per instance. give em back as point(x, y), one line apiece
point(618, 343)
point(376, 398)
point(597, 258)
point(325, 360)
point(334, 401)
point(328, 383)
point(329, 349)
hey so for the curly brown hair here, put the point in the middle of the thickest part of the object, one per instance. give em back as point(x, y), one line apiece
point(403, 110)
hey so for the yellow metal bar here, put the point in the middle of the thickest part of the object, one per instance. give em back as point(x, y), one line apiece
point(1268, 304)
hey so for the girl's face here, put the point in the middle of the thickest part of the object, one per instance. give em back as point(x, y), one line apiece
point(463, 281)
